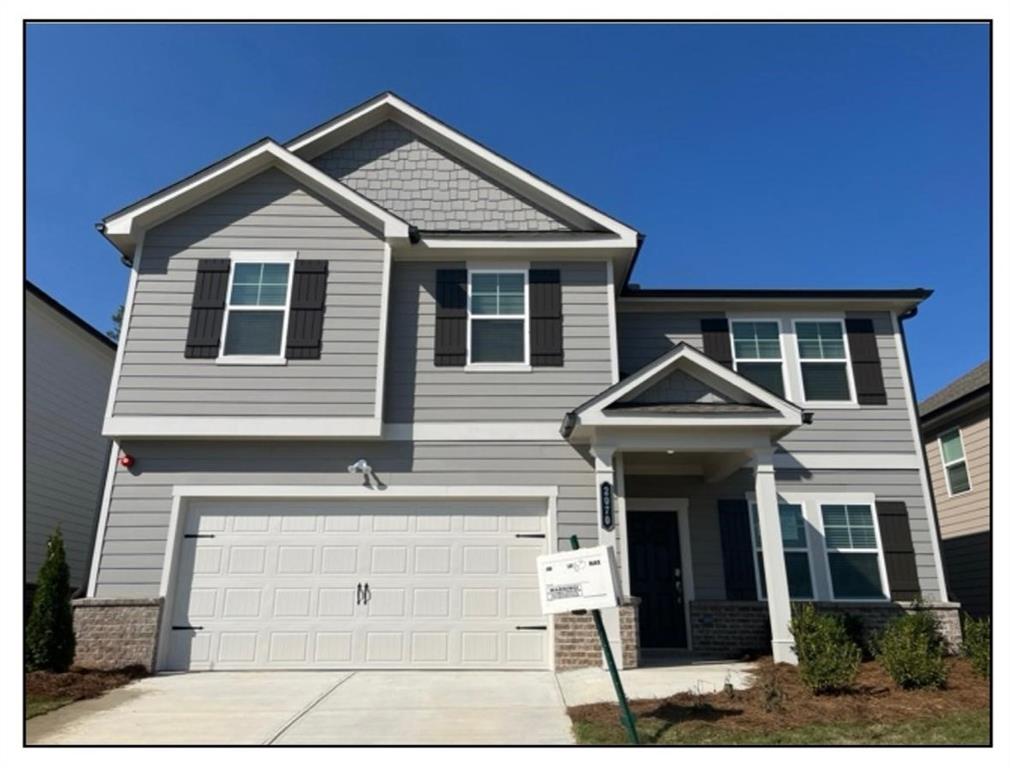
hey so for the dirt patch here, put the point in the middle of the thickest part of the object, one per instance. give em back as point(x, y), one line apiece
point(779, 700)
point(78, 683)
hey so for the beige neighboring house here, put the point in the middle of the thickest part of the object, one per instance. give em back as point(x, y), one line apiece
point(956, 433)
point(67, 368)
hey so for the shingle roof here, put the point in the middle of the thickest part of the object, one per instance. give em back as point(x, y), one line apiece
point(977, 378)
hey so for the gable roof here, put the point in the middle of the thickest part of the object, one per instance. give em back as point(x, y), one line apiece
point(70, 315)
point(123, 227)
point(974, 382)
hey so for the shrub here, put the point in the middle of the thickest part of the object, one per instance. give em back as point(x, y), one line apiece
point(49, 634)
point(975, 642)
point(911, 650)
point(828, 659)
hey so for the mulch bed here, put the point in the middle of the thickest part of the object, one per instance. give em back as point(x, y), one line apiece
point(78, 683)
point(779, 700)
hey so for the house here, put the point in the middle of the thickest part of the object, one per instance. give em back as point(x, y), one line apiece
point(369, 375)
point(956, 433)
point(67, 368)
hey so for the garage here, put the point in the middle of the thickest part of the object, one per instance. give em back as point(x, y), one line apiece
point(338, 584)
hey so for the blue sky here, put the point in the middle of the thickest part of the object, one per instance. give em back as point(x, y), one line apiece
point(750, 155)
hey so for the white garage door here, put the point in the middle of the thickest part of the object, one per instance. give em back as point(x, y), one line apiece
point(344, 584)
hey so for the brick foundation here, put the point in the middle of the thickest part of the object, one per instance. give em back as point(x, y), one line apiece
point(114, 632)
point(731, 629)
point(576, 644)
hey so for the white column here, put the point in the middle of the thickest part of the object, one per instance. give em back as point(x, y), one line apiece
point(604, 456)
point(773, 556)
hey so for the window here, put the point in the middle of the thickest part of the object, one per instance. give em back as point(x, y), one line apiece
point(256, 313)
point(824, 363)
point(757, 353)
point(850, 538)
point(955, 466)
point(794, 544)
point(498, 316)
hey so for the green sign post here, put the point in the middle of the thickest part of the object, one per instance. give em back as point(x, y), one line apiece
point(627, 719)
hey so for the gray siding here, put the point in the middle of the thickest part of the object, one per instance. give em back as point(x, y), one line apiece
point(416, 390)
point(268, 212)
point(644, 336)
point(137, 525)
point(678, 387)
point(706, 548)
point(404, 174)
point(67, 375)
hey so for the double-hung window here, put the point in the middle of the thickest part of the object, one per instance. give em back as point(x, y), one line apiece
point(794, 544)
point(256, 312)
point(498, 318)
point(824, 361)
point(757, 353)
point(955, 465)
point(854, 561)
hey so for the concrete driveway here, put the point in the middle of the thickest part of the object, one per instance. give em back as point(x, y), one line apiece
point(318, 708)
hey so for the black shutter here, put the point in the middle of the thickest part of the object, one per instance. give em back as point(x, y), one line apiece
point(207, 312)
point(450, 317)
point(737, 549)
point(545, 318)
point(308, 305)
point(899, 554)
point(866, 369)
point(715, 340)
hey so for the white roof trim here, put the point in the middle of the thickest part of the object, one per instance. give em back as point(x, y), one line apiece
point(390, 106)
point(592, 412)
point(124, 227)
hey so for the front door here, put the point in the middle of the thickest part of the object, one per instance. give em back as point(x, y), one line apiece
point(657, 578)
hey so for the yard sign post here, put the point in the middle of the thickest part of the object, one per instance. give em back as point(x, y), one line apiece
point(627, 719)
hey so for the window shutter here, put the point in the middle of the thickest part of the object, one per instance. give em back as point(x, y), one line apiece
point(308, 305)
point(207, 312)
point(715, 340)
point(450, 317)
point(866, 369)
point(899, 554)
point(546, 347)
point(737, 549)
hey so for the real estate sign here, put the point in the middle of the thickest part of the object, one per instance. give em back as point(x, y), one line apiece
point(580, 580)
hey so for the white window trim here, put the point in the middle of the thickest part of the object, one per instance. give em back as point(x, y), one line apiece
point(498, 366)
point(948, 464)
point(823, 404)
point(878, 551)
point(781, 360)
point(751, 511)
point(258, 257)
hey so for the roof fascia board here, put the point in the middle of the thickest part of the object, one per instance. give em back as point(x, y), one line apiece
point(765, 304)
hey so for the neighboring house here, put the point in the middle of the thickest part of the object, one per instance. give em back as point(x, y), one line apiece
point(368, 375)
point(67, 368)
point(956, 433)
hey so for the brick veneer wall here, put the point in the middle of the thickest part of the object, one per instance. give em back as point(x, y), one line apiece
point(113, 632)
point(733, 628)
point(576, 644)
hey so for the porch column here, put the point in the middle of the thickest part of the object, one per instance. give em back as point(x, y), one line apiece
point(773, 557)
point(604, 456)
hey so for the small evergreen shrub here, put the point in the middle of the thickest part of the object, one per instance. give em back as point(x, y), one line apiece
point(911, 650)
point(828, 658)
point(49, 634)
point(976, 642)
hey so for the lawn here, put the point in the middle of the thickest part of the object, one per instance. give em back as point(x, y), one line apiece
point(777, 709)
point(46, 691)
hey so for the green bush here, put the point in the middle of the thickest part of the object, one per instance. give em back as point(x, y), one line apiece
point(49, 634)
point(828, 659)
point(975, 642)
point(911, 650)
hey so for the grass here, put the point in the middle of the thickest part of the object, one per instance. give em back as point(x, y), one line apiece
point(47, 691)
point(39, 705)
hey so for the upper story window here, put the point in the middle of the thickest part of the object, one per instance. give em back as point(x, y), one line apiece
point(854, 556)
point(256, 311)
point(955, 466)
point(757, 353)
point(794, 544)
point(824, 361)
point(498, 317)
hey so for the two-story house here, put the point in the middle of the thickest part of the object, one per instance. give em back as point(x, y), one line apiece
point(366, 377)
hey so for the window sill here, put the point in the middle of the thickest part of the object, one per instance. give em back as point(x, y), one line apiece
point(251, 360)
point(498, 367)
point(828, 405)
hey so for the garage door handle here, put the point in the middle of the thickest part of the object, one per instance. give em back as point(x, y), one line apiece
point(359, 594)
point(367, 594)
point(531, 535)
point(187, 627)
point(531, 627)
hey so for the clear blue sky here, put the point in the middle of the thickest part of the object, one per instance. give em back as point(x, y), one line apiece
point(750, 155)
